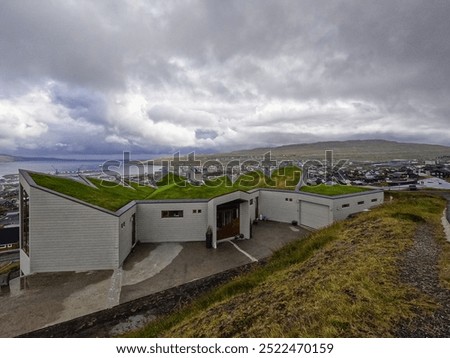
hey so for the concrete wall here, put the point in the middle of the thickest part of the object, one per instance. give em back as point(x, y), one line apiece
point(69, 236)
point(151, 227)
point(356, 203)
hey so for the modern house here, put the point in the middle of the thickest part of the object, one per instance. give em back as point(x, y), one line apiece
point(59, 232)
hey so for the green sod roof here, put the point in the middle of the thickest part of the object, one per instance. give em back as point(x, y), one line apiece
point(108, 195)
point(113, 196)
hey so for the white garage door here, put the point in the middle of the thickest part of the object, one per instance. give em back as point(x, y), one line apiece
point(314, 215)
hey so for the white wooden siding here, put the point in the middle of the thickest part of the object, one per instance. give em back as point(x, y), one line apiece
point(69, 236)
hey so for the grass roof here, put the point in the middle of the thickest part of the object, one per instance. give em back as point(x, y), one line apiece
point(108, 195)
point(333, 190)
point(113, 196)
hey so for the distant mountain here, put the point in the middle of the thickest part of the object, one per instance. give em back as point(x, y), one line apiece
point(4, 158)
point(352, 149)
point(7, 158)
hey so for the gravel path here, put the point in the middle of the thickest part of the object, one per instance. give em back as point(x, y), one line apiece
point(419, 269)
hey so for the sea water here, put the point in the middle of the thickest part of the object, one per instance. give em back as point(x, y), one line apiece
point(69, 165)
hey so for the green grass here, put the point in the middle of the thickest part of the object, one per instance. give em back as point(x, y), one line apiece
point(188, 191)
point(170, 178)
point(342, 281)
point(286, 178)
point(107, 195)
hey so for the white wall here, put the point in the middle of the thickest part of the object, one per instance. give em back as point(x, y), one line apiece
point(356, 202)
point(125, 228)
point(244, 219)
point(151, 227)
point(252, 197)
point(68, 236)
point(25, 265)
point(274, 206)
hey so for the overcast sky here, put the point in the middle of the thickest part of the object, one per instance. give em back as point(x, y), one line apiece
point(157, 76)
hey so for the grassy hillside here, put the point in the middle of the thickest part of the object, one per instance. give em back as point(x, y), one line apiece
point(342, 281)
point(351, 149)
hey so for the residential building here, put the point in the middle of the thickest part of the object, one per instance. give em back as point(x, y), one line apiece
point(62, 233)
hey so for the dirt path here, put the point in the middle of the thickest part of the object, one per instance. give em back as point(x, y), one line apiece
point(419, 269)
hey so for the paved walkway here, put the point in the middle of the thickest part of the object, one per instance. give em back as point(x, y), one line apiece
point(192, 261)
point(150, 268)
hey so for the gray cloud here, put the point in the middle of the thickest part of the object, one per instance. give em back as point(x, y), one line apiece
point(159, 76)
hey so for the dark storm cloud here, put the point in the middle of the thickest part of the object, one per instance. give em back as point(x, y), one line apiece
point(58, 40)
point(92, 76)
point(82, 103)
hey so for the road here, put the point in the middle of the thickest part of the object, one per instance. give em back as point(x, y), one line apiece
point(12, 255)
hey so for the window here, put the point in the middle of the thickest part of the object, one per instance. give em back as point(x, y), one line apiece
point(199, 211)
point(25, 237)
point(286, 199)
point(251, 201)
point(360, 202)
point(345, 205)
point(122, 225)
point(172, 213)
point(374, 200)
point(290, 199)
point(196, 211)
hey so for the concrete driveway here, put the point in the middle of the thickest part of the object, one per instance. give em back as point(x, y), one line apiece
point(57, 297)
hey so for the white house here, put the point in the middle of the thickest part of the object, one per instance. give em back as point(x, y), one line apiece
point(62, 233)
